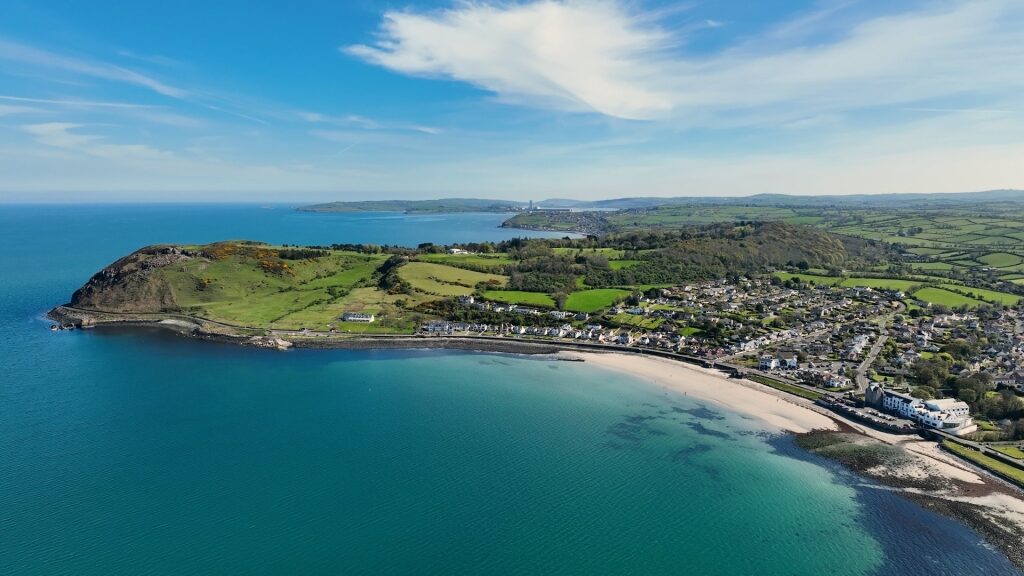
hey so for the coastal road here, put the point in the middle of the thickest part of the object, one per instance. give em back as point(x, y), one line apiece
point(862, 370)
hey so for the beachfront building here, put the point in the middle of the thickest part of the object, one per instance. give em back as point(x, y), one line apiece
point(357, 317)
point(946, 414)
point(769, 362)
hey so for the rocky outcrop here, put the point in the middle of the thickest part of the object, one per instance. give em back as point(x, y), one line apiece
point(131, 284)
point(269, 342)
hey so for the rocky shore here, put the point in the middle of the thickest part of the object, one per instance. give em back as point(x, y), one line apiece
point(988, 505)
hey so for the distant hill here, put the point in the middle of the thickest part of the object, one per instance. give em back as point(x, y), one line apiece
point(454, 205)
point(443, 205)
point(789, 200)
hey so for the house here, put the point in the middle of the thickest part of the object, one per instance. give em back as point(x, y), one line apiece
point(1013, 381)
point(457, 251)
point(789, 361)
point(836, 381)
point(466, 300)
point(922, 339)
point(769, 363)
point(357, 317)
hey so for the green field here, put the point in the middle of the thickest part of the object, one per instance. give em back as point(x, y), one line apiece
point(854, 282)
point(932, 266)
point(987, 295)
point(946, 298)
point(491, 262)
point(635, 321)
point(1012, 473)
point(594, 300)
point(609, 253)
point(442, 280)
point(819, 280)
point(881, 283)
point(1000, 259)
point(520, 297)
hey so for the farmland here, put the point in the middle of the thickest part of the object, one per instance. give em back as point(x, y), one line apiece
point(956, 240)
point(442, 280)
point(520, 297)
point(594, 300)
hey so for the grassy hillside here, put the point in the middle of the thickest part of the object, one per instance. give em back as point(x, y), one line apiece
point(250, 284)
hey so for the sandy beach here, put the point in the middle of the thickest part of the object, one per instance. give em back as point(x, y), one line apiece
point(928, 474)
point(748, 398)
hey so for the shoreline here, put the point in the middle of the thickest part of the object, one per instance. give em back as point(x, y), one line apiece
point(922, 473)
point(928, 476)
point(738, 395)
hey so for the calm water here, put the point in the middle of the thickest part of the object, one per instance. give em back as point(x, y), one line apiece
point(144, 453)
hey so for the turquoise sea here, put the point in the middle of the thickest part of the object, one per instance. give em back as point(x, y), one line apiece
point(126, 452)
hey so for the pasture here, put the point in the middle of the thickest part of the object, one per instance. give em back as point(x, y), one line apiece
point(594, 300)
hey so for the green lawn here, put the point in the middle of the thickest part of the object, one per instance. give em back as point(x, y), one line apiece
point(1016, 475)
point(594, 300)
point(1011, 451)
point(789, 388)
point(636, 321)
point(520, 297)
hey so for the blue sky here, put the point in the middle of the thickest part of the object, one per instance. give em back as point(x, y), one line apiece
point(244, 101)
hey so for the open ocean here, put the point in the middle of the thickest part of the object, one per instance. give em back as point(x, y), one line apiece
point(131, 452)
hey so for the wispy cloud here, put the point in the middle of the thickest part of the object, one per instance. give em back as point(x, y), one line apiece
point(73, 103)
point(357, 121)
point(40, 59)
point(605, 57)
point(18, 52)
point(65, 135)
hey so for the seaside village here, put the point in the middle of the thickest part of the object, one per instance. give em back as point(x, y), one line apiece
point(876, 355)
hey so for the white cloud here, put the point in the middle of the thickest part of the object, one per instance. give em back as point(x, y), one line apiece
point(600, 56)
point(63, 135)
point(573, 55)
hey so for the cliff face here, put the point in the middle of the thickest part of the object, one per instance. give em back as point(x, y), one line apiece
point(133, 283)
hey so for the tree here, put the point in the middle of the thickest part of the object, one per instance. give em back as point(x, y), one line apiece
point(923, 392)
point(967, 395)
point(931, 372)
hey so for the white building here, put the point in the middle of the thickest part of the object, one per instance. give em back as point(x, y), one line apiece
point(769, 363)
point(357, 317)
point(946, 414)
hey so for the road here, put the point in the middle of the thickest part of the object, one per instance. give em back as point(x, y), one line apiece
point(862, 370)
